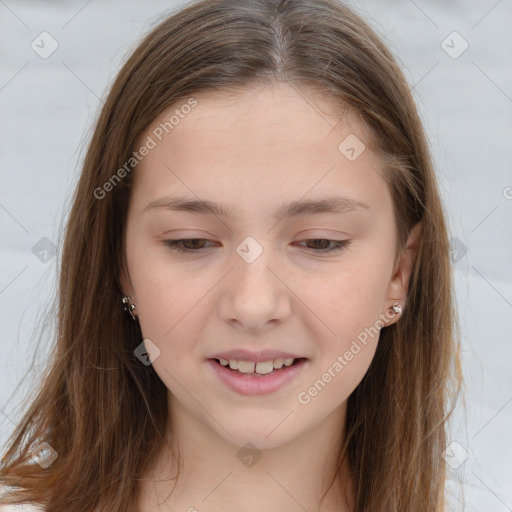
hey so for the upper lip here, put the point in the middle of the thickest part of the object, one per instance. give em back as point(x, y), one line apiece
point(255, 357)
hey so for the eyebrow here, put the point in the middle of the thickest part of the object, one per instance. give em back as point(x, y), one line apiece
point(334, 204)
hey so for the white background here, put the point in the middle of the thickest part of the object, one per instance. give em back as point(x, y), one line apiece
point(47, 107)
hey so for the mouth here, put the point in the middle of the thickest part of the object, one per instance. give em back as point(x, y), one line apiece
point(258, 369)
point(257, 378)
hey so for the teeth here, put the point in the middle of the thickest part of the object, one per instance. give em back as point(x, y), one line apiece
point(262, 367)
point(245, 366)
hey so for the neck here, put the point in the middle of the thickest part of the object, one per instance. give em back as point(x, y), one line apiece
point(215, 474)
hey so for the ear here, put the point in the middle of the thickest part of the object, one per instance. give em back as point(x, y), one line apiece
point(125, 282)
point(397, 289)
point(127, 289)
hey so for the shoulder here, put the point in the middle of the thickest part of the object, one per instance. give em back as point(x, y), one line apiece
point(21, 507)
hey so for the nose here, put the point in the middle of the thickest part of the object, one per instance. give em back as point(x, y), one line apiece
point(254, 297)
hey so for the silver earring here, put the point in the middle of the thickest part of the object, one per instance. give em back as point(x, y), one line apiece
point(129, 307)
point(397, 308)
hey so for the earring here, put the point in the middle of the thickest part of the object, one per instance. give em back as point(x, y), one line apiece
point(396, 308)
point(129, 308)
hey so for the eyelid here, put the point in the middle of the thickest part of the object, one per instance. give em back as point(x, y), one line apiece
point(335, 245)
point(173, 244)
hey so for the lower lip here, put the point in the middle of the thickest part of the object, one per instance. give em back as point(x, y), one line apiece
point(257, 385)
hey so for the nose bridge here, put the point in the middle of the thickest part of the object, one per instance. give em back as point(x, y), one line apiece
point(253, 295)
point(252, 272)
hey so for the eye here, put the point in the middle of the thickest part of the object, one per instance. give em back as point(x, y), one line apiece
point(174, 244)
point(327, 245)
point(196, 244)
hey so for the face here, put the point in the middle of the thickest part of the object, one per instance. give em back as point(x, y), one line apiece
point(295, 260)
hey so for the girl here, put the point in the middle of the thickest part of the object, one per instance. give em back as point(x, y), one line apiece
point(255, 299)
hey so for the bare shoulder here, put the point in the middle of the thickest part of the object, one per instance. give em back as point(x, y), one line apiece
point(22, 507)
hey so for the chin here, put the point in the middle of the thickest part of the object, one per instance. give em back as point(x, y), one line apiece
point(255, 439)
point(264, 435)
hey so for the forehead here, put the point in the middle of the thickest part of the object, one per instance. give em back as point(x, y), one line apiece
point(258, 115)
point(267, 141)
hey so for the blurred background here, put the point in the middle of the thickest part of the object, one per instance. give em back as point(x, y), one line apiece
point(57, 60)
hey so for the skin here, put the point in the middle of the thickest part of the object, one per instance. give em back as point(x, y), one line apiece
point(252, 152)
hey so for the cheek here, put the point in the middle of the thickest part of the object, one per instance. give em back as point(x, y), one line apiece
point(350, 307)
point(173, 306)
point(169, 308)
point(165, 291)
point(346, 339)
point(350, 299)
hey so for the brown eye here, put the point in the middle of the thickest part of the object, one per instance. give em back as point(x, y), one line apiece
point(192, 244)
point(325, 245)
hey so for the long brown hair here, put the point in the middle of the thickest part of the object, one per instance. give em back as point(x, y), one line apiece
point(103, 412)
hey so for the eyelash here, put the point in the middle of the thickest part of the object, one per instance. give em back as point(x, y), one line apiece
point(338, 244)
